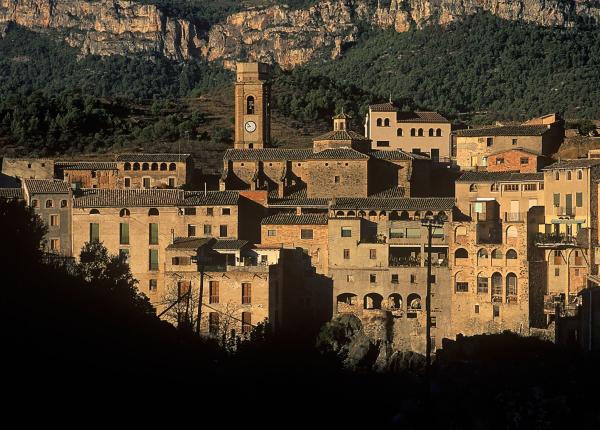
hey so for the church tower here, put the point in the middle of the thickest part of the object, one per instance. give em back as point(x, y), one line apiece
point(252, 106)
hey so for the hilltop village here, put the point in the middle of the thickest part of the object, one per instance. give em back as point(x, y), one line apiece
point(504, 235)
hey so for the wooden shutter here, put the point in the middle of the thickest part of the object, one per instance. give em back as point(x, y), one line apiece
point(213, 292)
point(94, 232)
point(153, 256)
point(246, 293)
point(153, 233)
point(124, 234)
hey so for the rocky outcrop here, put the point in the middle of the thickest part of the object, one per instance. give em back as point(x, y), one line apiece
point(275, 34)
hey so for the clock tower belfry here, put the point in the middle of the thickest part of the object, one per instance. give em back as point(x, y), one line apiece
point(252, 106)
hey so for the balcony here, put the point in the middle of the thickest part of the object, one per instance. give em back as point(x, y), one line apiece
point(555, 240)
point(515, 216)
point(404, 261)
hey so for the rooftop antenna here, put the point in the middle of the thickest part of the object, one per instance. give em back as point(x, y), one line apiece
point(204, 189)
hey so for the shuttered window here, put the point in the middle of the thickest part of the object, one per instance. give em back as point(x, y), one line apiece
point(246, 293)
point(213, 288)
point(94, 232)
point(124, 233)
point(213, 323)
point(153, 259)
point(246, 322)
point(579, 200)
point(153, 233)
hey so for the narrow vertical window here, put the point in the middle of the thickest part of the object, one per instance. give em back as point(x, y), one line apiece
point(94, 232)
point(153, 233)
point(246, 293)
point(124, 234)
point(153, 259)
point(213, 291)
point(246, 322)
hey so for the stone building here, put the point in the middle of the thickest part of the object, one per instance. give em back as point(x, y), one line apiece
point(516, 160)
point(308, 232)
point(252, 106)
point(417, 132)
point(541, 135)
point(52, 201)
point(377, 262)
point(28, 168)
point(154, 170)
point(88, 174)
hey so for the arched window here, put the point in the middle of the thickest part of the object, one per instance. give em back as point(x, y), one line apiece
point(399, 132)
point(34, 203)
point(250, 105)
point(511, 287)
point(373, 301)
point(428, 215)
point(461, 253)
point(442, 215)
point(473, 188)
point(351, 213)
point(136, 166)
point(346, 300)
point(394, 216)
point(580, 174)
point(395, 301)
point(63, 203)
point(461, 282)
point(94, 212)
point(49, 203)
point(153, 212)
point(372, 213)
point(413, 132)
point(413, 302)
point(154, 166)
point(404, 216)
point(386, 122)
point(557, 175)
point(438, 132)
point(421, 132)
point(511, 254)
point(127, 166)
point(482, 283)
point(482, 253)
point(379, 122)
point(362, 213)
point(496, 287)
point(124, 213)
point(417, 215)
point(511, 231)
point(496, 254)
point(163, 166)
point(339, 213)
point(431, 132)
point(145, 166)
point(172, 167)
point(460, 231)
point(568, 175)
point(494, 188)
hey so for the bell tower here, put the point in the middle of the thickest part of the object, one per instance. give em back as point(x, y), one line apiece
point(252, 106)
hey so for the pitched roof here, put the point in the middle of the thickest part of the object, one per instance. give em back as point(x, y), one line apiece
point(261, 154)
point(86, 165)
point(341, 135)
point(230, 244)
point(217, 198)
point(397, 154)
point(339, 154)
point(414, 203)
point(420, 116)
point(391, 192)
point(141, 158)
point(294, 219)
point(11, 193)
point(509, 130)
point(189, 242)
point(383, 107)
point(297, 199)
point(580, 163)
point(516, 148)
point(98, 197)
point(500, 177)
point(342, 116)
point(47, 186)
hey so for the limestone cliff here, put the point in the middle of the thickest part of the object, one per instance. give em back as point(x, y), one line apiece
point(273, 34)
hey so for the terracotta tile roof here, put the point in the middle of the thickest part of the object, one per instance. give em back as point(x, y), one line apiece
point(397, 154)
point(294, 219)
point(297, 199)
point(580, 163)
point(510, 130)
point(216, 198)
point(341, 135)
point(189, 242)
point(274, 154)
point(11, 193)
point(97, 197)
point(391, 192)
point(339, 154)
point(416, 203)
point(86, 165)
point(230, 244)
point(146, 158)
point(47, 186)
point(420, 116)
point(500, 177)
point(516, 148)
point(383, 107)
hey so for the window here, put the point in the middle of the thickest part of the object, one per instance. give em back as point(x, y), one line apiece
point(496, 311)
point(124, 213)
point(54, 220)
point(568, 175)
point(246, 322)
point(127, 166)
point(124, 234)
point(34, 203)
point(153, 285)
point(213, 323)
point(416, 150)
point(511, 187)
point(372, 278)
point(153, 259)
point(346, 232)
point(438, 132)
point(336, 179)
point(514, 142)
point(529, 187)
point(127, 182)
point(222, 231)
point(494, 188)
point(349, 278)
point(394, 278)
point(250, 105)
point(579, 174)
point(511, 254)
point(557, 175)
point(146, 182)
point(346, 254)
point(246, 293)
point(124, 254)
point(63, 204)
point(490, 141)
point(386, 122)
point(225, 211)
point(372, 254)
point(473, 188)
point(306, 234)
point(379, 122)
point(399, 132)
point(524, 160)
point(462, 287)
point(49, 203)
point(556, 198)
point(94, 232)
point(213, 292)
point(383, 143)
point(433, 322)
point(271, 233)
point(181, 261)
point(413, 278)
point(499, 160)
point(476, 309)
point(420, 132)
point(482, 285)
point(579, 200)
point(432, 279)
point(153, 234)
point(54, 244)
point(191, 230)
point(209, 212)
point(189, 211)
point(171, 182)
point(557, 271)
point(431, 132)
point(207, 229)
point(153, 212)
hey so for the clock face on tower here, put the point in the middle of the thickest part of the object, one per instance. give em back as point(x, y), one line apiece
point(250, 126)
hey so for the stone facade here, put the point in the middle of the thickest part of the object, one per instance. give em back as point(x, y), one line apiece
point(28, 168)
point(516, 160)
point(154, 170)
